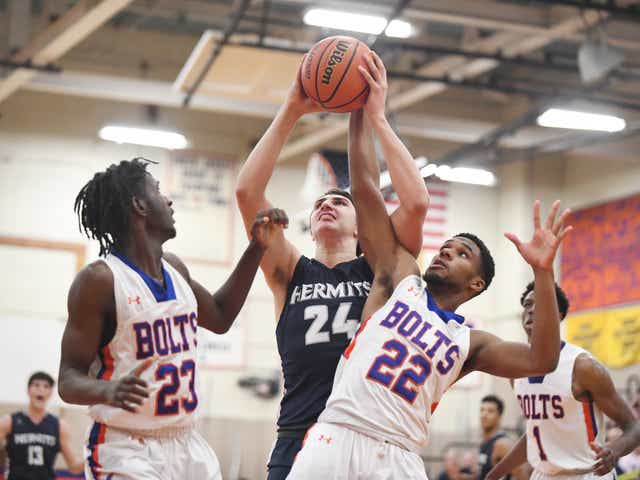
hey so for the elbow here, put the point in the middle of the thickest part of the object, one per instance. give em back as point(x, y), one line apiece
point(63, 391)
point(419, 206)
point(242, 194)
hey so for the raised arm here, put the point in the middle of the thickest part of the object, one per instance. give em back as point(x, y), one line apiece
point(386, 256)
point(279, 262)
point(593, 378)
point(218, 311)
point(407, 181)
point(489, 353)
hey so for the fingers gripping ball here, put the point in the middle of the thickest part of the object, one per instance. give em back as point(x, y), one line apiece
point(330, 74)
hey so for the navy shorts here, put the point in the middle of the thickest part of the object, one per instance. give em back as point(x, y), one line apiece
point(282, 456)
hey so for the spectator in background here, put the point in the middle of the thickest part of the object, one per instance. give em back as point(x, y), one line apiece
point(469, 465)
point(451, 467)
point(495, 442)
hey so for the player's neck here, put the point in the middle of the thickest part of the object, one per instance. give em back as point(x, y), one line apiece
point(487, 434)
point(146, 253)
point(331, 253)
point(35, 414)
point(445, 299)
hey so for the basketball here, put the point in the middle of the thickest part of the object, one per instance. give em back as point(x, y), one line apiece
point(330, 74)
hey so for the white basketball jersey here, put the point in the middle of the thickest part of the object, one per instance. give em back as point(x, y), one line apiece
point(156, 322)
point(398, 366)
point(559, 427)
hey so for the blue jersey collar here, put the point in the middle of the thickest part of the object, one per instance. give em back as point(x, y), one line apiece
point(445, 315)
point(160, 292)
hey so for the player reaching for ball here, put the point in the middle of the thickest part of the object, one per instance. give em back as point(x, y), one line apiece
point(411, 346)
point(319, 300)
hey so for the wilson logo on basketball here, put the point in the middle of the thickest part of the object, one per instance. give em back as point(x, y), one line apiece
point(336, 57)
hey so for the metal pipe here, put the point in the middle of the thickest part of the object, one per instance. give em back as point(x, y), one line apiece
point(228, 31)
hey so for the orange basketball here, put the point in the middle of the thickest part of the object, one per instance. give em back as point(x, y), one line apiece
point(330, 74)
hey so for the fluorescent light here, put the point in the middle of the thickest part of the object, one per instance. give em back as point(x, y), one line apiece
point(560, 118)
point(399, 29)
point(355, 22)
point(474, 176)
point(385, 177)
point(143, 136)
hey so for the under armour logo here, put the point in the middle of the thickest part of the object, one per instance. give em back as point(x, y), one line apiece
point(134, 300)
point(322, 438)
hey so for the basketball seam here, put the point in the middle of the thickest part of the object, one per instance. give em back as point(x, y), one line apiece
point(346, 70)
point(315, 84)
point(352, 100)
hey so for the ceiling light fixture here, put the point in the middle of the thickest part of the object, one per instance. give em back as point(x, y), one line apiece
point(572, 119)
point(357, 22)
point(399, 29)
point(474, 176)
point(143, 136)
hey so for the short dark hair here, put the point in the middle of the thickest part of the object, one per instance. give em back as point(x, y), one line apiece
point(104, 203)
point(487, 264)
point(41, 376)
point(561, 298)
point(494, 399)
point(338, 191)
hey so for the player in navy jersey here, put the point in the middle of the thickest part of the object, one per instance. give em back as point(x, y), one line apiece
point(130, 345)
point(318, 301)
point(564, 413)
point(34, 438)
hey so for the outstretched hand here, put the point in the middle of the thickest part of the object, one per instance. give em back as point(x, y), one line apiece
point(376, 77)
point(541, 250)
point(297, 100)
point(266, 224)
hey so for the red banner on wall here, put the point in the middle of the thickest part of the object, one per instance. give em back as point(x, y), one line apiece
point(601, 258)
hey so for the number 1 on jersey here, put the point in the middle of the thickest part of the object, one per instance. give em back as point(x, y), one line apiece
point(536, 433)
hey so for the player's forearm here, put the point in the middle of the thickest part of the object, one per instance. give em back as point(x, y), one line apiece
point(405, 176)
point(231, 296)
point(78, 388)
point(511, 461)
point(258, 168)
point(628, 441)
point(545, 336)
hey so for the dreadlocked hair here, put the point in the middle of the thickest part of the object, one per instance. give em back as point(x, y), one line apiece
point(104, 203)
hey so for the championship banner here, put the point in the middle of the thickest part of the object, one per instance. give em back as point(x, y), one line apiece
point(613, 336)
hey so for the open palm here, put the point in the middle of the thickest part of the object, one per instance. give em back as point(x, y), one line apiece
point(541, 250)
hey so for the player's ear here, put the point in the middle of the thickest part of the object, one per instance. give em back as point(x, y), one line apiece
point(477, 284)
point(139, 205)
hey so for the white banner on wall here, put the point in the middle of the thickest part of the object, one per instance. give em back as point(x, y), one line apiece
point(223, 351)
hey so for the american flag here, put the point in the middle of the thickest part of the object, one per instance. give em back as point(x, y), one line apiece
point(435, 228)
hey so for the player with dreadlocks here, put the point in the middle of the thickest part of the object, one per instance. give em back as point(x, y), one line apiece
point(129, 348)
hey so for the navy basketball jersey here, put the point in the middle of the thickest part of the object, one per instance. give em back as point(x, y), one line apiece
point(485, 454)
point(320, 317)
point(31, 448)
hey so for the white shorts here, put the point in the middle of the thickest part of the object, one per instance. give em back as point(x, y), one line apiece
point(537, 475)
point(332, 452)
point(117, 455)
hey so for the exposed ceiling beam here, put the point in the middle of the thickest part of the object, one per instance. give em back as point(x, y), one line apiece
point(73, 27)
point(141, 92)
point(434, 127)
point(456, 67)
